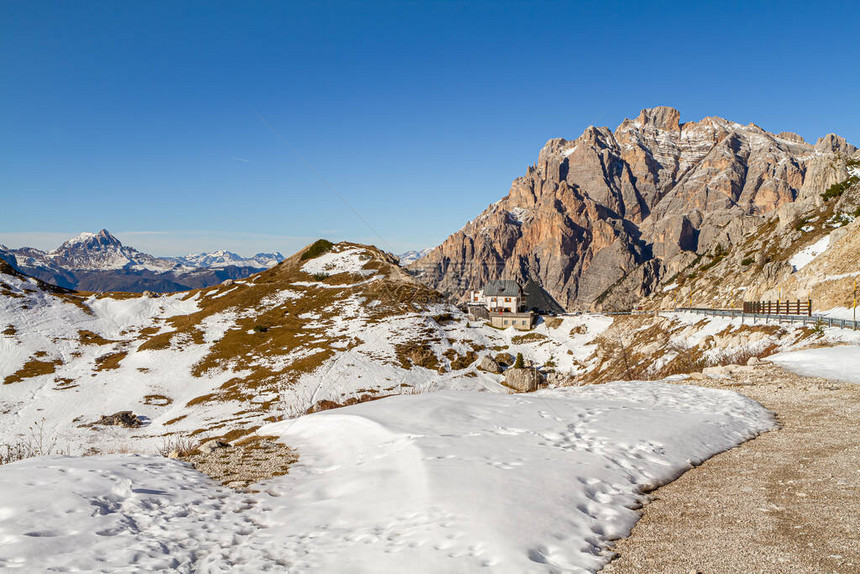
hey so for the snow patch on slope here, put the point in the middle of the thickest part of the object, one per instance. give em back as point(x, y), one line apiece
point(334, 262)
point(840, 363)
point(806, 255)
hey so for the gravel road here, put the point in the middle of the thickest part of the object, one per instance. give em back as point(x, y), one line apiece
point(788, 501)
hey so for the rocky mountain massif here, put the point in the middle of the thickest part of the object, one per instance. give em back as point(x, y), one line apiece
point(636, 207)
point(100, 262)
point(809, 249)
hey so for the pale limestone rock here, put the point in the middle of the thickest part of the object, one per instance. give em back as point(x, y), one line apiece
point(489, 365)
point(523, 380)
point(592, 212)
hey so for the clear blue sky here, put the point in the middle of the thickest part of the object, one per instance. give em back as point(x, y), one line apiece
point(140, 116)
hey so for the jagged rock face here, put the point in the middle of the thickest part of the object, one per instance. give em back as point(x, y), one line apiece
point(592, 210)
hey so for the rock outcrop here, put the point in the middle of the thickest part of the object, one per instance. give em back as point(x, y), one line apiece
point(523, 380)
point(647, 198)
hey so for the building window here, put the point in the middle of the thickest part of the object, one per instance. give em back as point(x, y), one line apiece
point(507, 299)
point(506, 321)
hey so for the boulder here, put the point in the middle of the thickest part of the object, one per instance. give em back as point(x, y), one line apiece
point(505, 359)
point(557, 379)
point(488, 364)
point(212, 445)
point(123, 418)
point(753, 361)
point(523, 380)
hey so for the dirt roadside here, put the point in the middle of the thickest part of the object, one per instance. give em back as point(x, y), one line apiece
point(786, 502)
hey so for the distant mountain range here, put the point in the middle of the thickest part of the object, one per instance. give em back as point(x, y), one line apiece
point(100, 262)
point(412, 256)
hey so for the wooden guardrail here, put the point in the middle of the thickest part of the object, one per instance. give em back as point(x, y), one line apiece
point(778, 307)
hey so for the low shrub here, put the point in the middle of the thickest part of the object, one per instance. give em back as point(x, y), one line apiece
point(34, 443)
point(319, 247)
point(838, 189)
point(178, 446)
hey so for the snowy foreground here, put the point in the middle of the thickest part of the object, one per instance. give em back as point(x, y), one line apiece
point(840, 363)
point(444, 482)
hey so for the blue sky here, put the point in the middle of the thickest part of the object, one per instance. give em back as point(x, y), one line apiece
point(144, 117)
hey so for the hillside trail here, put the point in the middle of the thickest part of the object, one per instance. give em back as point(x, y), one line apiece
point(785, 502)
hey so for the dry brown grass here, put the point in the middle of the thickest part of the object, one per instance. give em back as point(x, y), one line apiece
point(64, 384)
point(33, 368)
point(458, 361)
point(35, 442)
point(418, 353)
point(111, 361)
point(632, 348)
point(157, 400)
point(77, 299)
point(90, 338)
point(553, 322)
point(178, 445)
point(9, 331)
point(527, 338)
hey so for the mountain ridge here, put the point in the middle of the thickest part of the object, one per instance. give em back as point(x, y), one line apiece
point(100, 262)
point(645, 199)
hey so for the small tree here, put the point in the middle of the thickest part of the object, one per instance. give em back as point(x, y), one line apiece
point(518, 364)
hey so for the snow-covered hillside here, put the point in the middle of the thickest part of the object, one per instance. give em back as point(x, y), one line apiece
point(447, 482)
point(344, 327)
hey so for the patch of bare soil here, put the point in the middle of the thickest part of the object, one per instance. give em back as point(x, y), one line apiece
point(785, 502)
point(243, 463)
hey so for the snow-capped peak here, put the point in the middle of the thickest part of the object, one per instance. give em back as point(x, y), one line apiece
point(102, 238)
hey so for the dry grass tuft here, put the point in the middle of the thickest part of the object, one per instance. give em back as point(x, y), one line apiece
point(157, 400)
point(111, 361)
point(177, 446)
point(34, 443)
point(90, 338)
point(527, 338)
point(33, 368)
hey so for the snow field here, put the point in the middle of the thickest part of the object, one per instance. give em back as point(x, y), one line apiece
point(442, 482)
point(840, 363)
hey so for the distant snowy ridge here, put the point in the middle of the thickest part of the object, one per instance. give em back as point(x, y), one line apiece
point(222, 258)
point(100, 262)
point(408, 257)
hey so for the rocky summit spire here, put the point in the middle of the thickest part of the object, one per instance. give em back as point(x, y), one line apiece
point(661, 117)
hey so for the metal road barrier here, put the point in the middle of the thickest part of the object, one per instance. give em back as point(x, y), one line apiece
point(818, 320)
